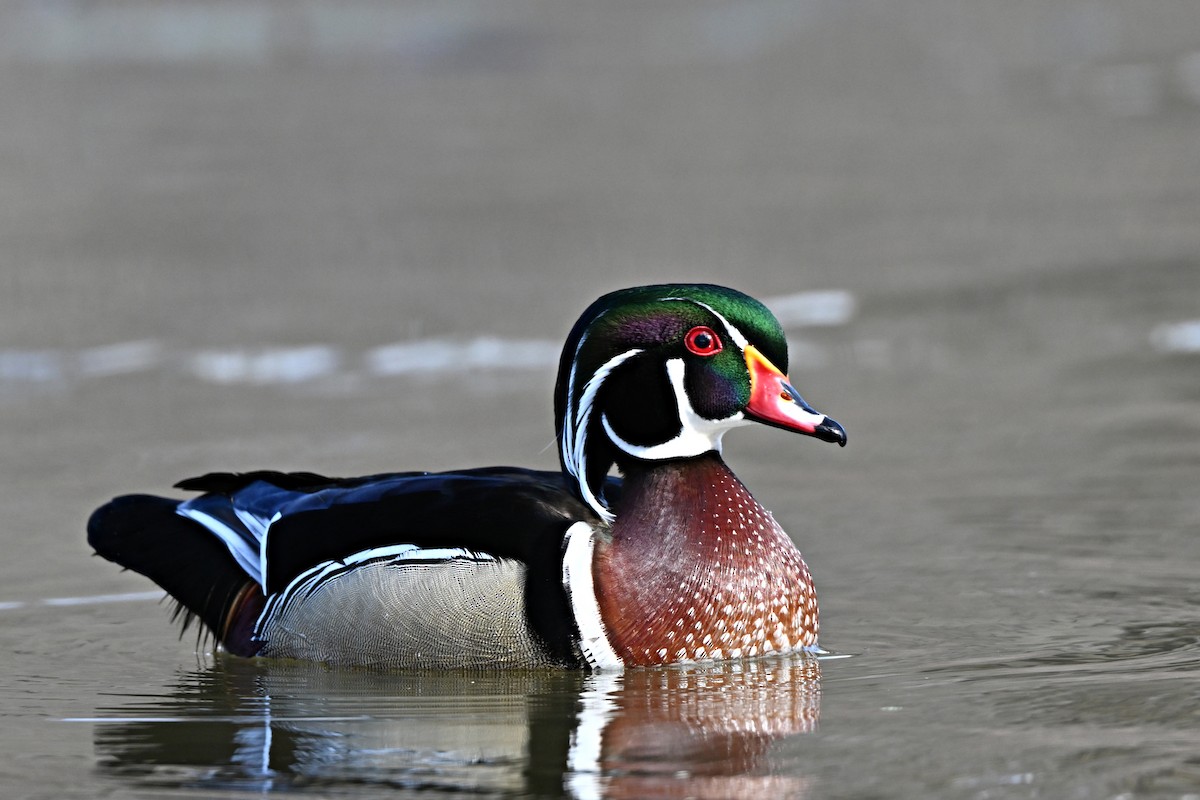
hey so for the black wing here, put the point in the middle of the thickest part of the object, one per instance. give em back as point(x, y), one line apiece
point(505, 511)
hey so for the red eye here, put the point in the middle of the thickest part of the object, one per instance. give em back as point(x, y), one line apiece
point(703, 341)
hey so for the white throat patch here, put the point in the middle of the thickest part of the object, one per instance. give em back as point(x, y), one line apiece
point(697, 434)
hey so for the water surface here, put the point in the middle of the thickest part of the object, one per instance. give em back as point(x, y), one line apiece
point(348, 239)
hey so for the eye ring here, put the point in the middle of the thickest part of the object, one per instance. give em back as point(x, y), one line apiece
point(703, 341)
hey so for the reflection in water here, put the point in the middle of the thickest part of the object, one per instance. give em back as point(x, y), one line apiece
point(700, 731)
point(696, 732)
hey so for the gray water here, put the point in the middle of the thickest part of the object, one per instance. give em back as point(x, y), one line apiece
point(304, 236)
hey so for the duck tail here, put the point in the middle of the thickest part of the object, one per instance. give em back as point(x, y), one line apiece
point(145, 534)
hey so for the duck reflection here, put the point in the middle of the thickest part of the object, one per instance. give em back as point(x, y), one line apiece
point(696, 731)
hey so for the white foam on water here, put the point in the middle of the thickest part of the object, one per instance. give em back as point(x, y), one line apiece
point(86, 600)
point(121, 358)
point(31, 366)
point(98, 599)
point(431, 356)
point(1177, 337)
point(239, 719)
point(266, 366)
point(25, 369)
point(813, 309)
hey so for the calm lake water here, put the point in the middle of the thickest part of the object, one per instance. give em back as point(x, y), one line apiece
point(349, 238)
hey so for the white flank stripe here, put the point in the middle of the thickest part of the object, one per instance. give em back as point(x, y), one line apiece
point(311, 578)
point(577, 579)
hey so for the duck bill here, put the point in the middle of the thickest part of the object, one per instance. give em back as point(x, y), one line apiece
point(774, 401)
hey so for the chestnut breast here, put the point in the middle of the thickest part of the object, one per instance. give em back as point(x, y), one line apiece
point(697, 569)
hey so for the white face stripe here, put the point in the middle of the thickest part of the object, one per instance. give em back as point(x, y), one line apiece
point(568, 433)
point(577, 580)
point(698, 435)
point(575, 425)
point(738, 337)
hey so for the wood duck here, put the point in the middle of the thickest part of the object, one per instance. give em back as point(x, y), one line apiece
point(506, 567)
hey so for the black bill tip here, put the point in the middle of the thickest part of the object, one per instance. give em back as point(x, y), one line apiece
point(831, 431)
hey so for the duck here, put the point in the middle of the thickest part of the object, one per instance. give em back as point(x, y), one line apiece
point(669, 561)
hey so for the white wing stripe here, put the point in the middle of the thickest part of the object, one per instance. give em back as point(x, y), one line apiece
point(246, 556)
point(312, 578)
point(262, 546)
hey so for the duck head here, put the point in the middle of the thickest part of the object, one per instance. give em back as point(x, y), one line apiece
point(659, 373)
